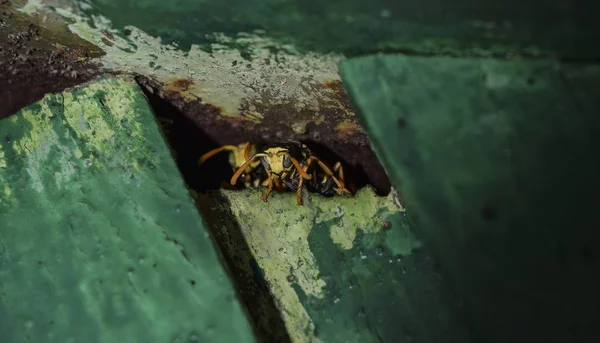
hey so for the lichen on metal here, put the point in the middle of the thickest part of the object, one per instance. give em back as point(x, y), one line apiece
point(277, 233)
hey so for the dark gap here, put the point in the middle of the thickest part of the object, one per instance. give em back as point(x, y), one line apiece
point(188, 143)
point(354, 176)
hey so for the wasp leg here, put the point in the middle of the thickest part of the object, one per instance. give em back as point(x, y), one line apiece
point(299, 193)
point(300, 169)
point(328, 171)
point(301, 182)
point(270, 187)
point(278, 186)
point(337, 168)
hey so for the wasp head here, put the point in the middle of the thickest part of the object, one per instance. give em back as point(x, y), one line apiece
point(278, 161)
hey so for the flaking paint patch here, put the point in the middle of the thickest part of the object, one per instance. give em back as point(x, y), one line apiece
point(31, 6)
point(7, 200)
point(96, 112)
point(278, 238)
point(91, 119)
point(287, 228)
point(215, 81)
point(36, 144)
point(364, 211)
point(2, 159)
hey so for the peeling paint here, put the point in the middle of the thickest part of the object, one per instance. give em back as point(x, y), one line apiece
point(31, 6)
point(364, 211)
point(94, 114)
point(223, 78)
point(278, 240)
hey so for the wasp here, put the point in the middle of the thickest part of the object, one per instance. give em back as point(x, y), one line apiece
point(289, 163)
point(253, 174)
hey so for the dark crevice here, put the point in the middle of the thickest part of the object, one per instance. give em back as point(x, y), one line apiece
point(188, 143)
point(188, 140)
point(355, 177)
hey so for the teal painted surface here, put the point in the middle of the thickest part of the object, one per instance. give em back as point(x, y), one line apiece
point(496, 163)
point(99, 238)
point(376, 294)
point(355, 27)
point(340, 269)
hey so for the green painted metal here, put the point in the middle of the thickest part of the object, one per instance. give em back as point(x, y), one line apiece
point(339, 269)
point(355, 27)
point(495, 161)
point(100, 240)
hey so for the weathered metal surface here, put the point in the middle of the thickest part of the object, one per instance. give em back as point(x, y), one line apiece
point(38, 54)
point(100, 240)
point(341, 269)
point(234, 83)
point(496, 162)
point(247, 71)
point(264, 93)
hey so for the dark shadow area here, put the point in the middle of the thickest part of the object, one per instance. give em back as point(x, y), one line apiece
point(354, 175)
point(189, 140)
point(188, 143)
point(248, 277)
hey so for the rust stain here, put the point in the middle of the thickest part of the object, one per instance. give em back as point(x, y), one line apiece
point(335, 85)
point(182, 84)
point(331, 132)
point(181, 87)
point(347, 128)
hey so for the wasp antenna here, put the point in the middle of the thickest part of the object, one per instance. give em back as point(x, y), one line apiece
point(213, 152)
point(300, 170)
point(247, 151)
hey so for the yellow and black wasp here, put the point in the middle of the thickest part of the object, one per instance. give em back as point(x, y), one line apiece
point(289, 164)
point(253, 175)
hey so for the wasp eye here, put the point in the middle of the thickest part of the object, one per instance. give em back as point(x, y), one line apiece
point(287, 161)
point(265, 163)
